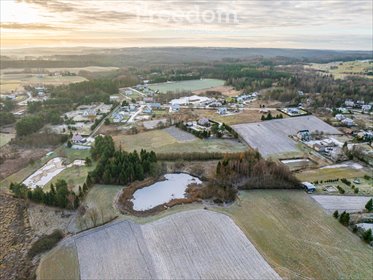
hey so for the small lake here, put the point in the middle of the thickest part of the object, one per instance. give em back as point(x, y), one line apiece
point(163, 191)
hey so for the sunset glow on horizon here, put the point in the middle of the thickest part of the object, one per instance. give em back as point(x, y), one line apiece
point(282, 24)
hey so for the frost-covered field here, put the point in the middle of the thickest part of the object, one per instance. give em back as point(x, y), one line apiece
point(272, 137)
point(197, 244)
point(341, 203)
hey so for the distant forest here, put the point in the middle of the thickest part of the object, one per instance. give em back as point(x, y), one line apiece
point(165, 56)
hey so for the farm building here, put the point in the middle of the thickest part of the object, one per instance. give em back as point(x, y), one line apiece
point(310, 188)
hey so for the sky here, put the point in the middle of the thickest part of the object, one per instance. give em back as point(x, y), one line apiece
point(340, 25)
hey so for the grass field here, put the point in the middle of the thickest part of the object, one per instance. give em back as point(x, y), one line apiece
point(190, 85)
point(160, 141)
point(9, 82)
point(298, 239)
point(74, 176)
point(100, 197)
point(63, 261)
point(330, 173)
point(245, 116)
point(343, 69)
point(5, 138)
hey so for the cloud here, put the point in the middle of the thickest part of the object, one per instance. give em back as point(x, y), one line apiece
point(31, 26)
point(291, 21)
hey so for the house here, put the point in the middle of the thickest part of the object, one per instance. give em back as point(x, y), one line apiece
point(293, 111)
point(319, 148)
point(175, 107)
point(222, 110)
point(366, 108)
point(132, 107)
point(78, 139)
point(349, 103)
point(128, 92)
point(343, 110)
point(147, 110)
point(148, 99)
point(348, 122)
point(114, 98)
point(243, 98)
point(155, 106)
point(204, 122)
point(309, 188)
point(215, 104)
point(304, 135)
point(339, 117)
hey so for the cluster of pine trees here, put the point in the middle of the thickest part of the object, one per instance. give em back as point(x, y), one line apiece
point(58, 196)
point(119, 167)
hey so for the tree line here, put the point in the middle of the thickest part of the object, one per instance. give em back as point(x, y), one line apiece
point(58, 196)
point(251, 171)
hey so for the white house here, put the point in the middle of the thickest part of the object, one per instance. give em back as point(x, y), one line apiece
point(222, 110)
point(349, 103)
point(339, 117)
point(348, 122)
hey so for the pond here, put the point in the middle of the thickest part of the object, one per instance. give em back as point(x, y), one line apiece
point(164, 191)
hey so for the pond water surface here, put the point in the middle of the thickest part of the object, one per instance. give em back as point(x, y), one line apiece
point(161, 192)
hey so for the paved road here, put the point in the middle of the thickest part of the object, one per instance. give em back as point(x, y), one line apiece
point(102, 122)
point(24, 102)
point(132, 118)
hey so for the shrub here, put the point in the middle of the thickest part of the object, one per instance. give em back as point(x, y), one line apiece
point(341, 190)
point(354, 229)
point(45, 243)
point(356, 190)
point(344, 218)
point(336, 214)
point(367, 236)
